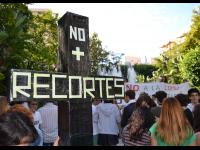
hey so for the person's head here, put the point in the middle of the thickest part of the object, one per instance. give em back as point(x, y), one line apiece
point(108, 101)
point(193, 95)
point(33, 105)
point(16, 129)
point(22, 109)
point(160, 95)
point(4, 105)
point(182, 98)
point(173, 126)
point(145, 100)
point(139, 122)
point(96, 101)
point(130, 94)
point(196, 114)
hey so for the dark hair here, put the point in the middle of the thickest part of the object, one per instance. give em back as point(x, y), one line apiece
point(192, 90)
point(147, 99)
point(12, 103)
point(130, 94)
point(93, 100)
point(160, 95)
point(140, 121)
point(14, 126)
point(182, 98)
point(4, 106)
point(108, 101)
point(196, 113)
point(154, 95)
point(30, 101)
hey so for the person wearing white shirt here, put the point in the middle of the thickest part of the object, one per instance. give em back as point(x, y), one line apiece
point(95, 102)
point(193, 95)
point(108, 117)
point(49, 126)
point(33, 105)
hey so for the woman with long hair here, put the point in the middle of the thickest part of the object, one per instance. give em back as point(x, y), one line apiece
point(144, 100)
point(172, 128)
point(136, 132)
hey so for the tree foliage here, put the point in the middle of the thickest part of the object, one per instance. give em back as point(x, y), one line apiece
point(98, 55)
point(177, 63)
point(145, 69)
point(43, 45)
point(13, 35)
point(191, 66)
point(27, 41)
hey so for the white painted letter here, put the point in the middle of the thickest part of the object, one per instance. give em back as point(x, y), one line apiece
point(70, 86)
point(108, 87)
point(74, 32)
point(19, 88)
point(85, 88)
point(81, 34)
point(122, 87)
point(35, 85)
point(53, 86)
point(100, 85)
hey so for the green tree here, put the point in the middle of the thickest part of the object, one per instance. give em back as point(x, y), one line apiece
point(27, 41)
point(144, 71)
point(98, 55)
point(191, 66)
point(41, 53)
point(14, 21)
point(192, 39)
point(171, 67)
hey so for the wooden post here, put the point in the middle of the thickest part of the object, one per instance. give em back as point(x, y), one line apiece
point(74, 115)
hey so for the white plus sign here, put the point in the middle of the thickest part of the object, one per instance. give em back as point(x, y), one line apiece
point(78, 53)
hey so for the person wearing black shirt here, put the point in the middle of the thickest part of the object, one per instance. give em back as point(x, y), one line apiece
point(128, 110)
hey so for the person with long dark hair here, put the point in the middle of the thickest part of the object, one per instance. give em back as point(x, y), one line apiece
point(136, 132)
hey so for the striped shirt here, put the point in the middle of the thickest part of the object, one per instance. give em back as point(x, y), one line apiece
point(49, 126)
point(144, 140)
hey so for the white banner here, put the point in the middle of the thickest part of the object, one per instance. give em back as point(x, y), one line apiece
point(152, 87)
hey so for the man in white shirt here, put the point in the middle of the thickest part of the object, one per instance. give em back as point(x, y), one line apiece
point(193, 95)
point(33, 105)
point(49, 126)
point(95, 102)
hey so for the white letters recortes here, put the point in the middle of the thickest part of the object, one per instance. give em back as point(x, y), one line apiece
point(82, 90)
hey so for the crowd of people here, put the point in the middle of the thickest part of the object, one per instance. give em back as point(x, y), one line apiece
point(149, 120)
point(23, 124)
point(156, 120)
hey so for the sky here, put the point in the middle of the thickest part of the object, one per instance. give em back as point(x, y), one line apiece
point(135, 29)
